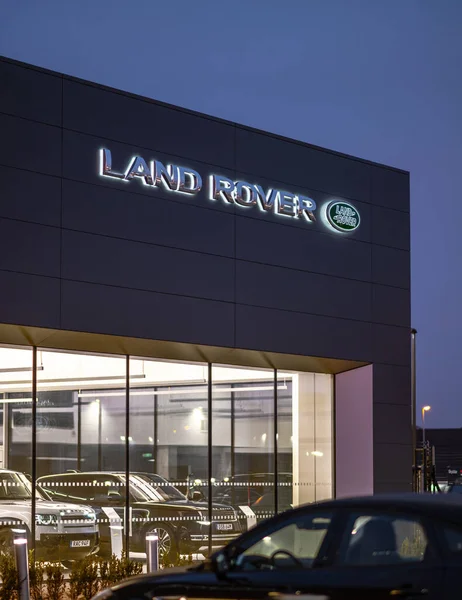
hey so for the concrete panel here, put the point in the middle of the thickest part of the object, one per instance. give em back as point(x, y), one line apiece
point(265, 155)
point(391, 267)
point(363, 233)
point(117, 311)
point(283, 246)
point(390, 188)
point(30, 196)
point(392, 385)
point(391, 345)
point(392, 424)
point(273, 330)
point(390, 227)
point(287, 289)
point(112, 261)
point(29, 93)
point(29, 248)
point(101, 210)
point(354, 468)
point(29, 300)
point(29, 145)
point(81, 163)
point(391, 306)
point(392, 467)
point(117, 116)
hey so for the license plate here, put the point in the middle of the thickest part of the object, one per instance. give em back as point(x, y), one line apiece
point(224, 526)
point(80, 543)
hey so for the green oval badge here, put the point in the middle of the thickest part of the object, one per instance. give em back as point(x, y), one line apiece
point(343, 216)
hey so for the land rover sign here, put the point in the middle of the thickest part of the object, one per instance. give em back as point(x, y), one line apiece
point(340, 216)
point(343, 216)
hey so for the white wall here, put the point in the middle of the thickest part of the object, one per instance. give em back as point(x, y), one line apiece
point(354, 433)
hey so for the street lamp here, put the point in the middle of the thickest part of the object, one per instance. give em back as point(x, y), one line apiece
point(424, 410)
point(424, 450)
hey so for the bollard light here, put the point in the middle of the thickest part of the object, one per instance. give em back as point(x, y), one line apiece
point(22, 562)
point(152, 552)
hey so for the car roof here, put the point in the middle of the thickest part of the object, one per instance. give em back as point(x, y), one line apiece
point(104, 473)
point(446, 505)
point(74, 473)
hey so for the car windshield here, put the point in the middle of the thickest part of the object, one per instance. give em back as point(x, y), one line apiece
point(144, 489)
point(161, 486)
point(14, 486)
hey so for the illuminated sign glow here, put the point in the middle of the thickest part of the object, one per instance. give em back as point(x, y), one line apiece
point(340, 216)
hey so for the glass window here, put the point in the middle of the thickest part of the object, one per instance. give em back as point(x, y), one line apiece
point(169, 456)
point(295, 544)
point(243, 442)
point(453, 538)
point(305, 438)
point(16, 374)
point(81, 444)
point(383, 540)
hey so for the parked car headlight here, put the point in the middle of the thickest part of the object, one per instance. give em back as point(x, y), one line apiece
point(45, 519)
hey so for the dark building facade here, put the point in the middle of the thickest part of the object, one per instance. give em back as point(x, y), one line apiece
point(197, 299)
point(447, 443)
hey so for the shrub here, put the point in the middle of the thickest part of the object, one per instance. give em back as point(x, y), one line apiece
point(36, 578)
point(9, 577)
point(87, 577)
point(55, 582)
point(83, 580)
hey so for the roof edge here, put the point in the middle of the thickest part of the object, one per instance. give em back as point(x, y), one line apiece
point(199, 114)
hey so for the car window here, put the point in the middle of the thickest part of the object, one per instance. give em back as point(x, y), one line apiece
point(382, 539)
point(453, 539)
point(54, 487)
point(295, 543)
point(84, 487)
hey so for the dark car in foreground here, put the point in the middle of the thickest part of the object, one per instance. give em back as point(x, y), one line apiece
point(409, 546)
point(156, 505)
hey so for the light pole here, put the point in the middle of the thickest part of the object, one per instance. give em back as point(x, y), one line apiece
point(424, 410)
point(414, 410)
point(424, 450)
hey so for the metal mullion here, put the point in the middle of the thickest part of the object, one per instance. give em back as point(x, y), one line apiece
point(275, 418)
point(233, 443)
point(209, 452)
point(34, 445)
point(127, 456)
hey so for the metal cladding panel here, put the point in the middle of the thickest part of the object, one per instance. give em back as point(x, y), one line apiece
point(143, 239)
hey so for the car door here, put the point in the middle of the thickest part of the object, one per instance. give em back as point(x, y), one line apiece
point(450, 536)
point(390, 552)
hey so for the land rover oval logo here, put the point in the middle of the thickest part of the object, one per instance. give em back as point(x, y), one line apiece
point(343, 216)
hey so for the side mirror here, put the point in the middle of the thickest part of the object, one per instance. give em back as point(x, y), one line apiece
point(197, 496)
point(220, 564)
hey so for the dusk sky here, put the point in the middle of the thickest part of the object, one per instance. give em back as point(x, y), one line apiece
point(378, 79)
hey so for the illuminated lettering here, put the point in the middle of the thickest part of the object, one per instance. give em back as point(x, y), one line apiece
point(336, 215)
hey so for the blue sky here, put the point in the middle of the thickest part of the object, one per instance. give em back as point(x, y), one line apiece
point(377, 79)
